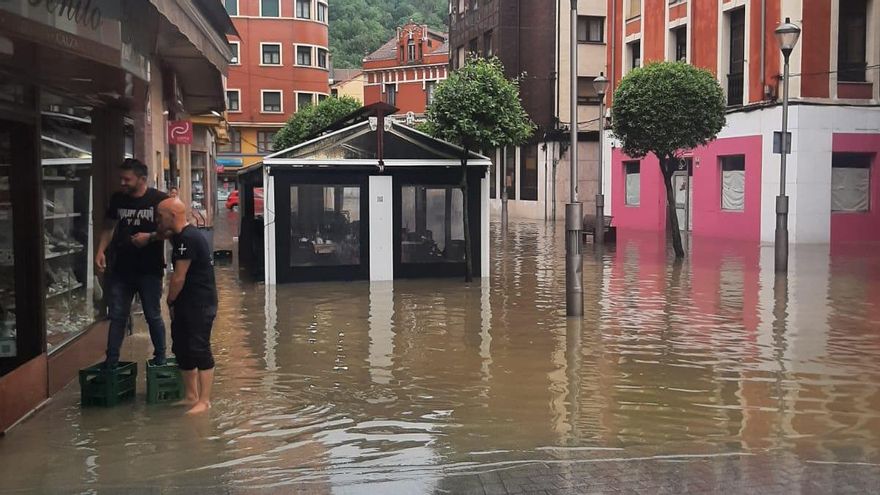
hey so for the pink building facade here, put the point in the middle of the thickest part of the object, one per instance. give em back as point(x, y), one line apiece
point(728, 188)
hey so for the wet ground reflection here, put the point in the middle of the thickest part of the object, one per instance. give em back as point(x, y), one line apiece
point(412, 385)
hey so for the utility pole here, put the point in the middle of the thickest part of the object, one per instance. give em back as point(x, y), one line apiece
point(574, 213)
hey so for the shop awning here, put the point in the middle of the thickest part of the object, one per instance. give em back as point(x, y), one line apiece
point(193, 43)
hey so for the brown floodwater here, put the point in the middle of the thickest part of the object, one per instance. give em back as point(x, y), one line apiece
point(403, 385)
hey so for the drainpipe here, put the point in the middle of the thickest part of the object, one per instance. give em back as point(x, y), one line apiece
point(763, 42)
point(613, 31)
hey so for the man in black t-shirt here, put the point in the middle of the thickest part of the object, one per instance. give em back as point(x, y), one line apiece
point(130, 254)
point(192, 300)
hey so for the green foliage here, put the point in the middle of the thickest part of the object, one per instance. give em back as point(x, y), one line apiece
point(312, 119)
point(666, 107)
point(359, 27)
point(478, 108)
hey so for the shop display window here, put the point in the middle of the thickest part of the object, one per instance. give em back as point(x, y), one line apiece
point(71, 299)
point(432, 225)
point(8, 347)
point(325, 225)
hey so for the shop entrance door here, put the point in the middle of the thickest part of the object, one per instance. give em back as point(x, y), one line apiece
point(682, 186)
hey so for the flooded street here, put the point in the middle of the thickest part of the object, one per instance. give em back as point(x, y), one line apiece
point(707, 376)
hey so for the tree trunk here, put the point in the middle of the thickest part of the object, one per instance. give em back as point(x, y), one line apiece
point(469, 268)
point(666, 168)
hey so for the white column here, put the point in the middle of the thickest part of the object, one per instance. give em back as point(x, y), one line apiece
point(381, 224)
point(484, 227)
point(269, 247)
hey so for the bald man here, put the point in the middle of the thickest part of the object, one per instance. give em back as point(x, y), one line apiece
point(192, 301)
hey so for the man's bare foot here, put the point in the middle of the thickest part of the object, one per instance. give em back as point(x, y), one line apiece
point(199, 408)
point(185, 403)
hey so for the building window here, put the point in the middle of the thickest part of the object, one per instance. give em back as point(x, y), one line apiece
point(234, 48)
point(528, 173)
point(852, 41)
point(634, 9)
point(460, 57)
point(304, 55)
point(271, 53)
point(264, 141)
point(510, 172)
point(591, 29)
point(321, 98)
point(391, 94)
point(586, 92)
point(233, 100)
point(733, 183)
point(304, 100)
point(635, 55)
point(304, 9)
point(681, 44)
point(322, 12)
point(851, 182)
point(234, 145)
point(632, 171)
point(488, 44)
point(270, 8)
point(432, 225)
point(334, 92)
point(272, 101)
point(325, 225)
point(231, 7)
point(735, 75)
point(430, 87)
point(474, 46)
point(322, 58)
point(411, 51)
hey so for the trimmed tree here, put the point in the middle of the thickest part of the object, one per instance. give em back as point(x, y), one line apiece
point(311, 119)
point(666, 108)
point(477, 108)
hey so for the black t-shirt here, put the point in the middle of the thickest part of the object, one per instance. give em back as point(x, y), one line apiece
point(134, 216)
point(199, 289)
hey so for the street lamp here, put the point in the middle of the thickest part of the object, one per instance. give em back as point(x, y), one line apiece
point(600, 84)
point(787, 35)
point(574, 211)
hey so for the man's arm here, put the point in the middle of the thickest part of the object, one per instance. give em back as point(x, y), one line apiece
point(177, 280)
point(103, 242)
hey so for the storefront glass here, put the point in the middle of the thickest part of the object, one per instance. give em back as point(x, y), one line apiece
point(66, 144)
point(325, 225)
point(8, 346)
point(432, 225)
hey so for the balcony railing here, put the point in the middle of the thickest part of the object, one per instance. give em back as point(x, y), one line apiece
point(734, 90)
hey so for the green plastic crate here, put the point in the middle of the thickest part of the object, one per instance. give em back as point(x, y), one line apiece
point(164, 383)
point(107, 388)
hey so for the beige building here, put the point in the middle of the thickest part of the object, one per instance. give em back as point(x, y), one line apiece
point(591, 54)
point(347, 82)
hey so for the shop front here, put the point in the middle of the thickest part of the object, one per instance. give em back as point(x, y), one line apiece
point(75, 87)
point(360, 203)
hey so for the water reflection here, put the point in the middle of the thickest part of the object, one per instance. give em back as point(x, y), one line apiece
point(411, 384)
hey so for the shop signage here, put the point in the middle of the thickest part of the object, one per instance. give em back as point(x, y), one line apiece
point(180, 132)
point(83, 12)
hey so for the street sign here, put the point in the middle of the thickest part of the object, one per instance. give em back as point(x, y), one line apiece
point(777, 143)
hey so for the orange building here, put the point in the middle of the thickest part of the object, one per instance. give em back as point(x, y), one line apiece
point(405, 71)
point(280, 64)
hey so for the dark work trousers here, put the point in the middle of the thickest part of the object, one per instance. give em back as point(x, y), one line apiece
point(120, 290)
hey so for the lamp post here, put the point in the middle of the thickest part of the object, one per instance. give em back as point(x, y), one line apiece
point(787, 35)
point(574, 212)
point(600, 84)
